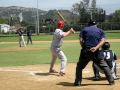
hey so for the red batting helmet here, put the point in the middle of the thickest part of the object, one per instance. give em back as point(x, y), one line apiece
point(60, 24)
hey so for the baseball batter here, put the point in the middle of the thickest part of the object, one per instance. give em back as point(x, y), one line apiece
point(55, 47)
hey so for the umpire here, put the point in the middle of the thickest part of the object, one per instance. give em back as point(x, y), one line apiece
point(29, 36)
point(91, 39)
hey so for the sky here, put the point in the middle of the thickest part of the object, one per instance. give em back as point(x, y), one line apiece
point(109, 5)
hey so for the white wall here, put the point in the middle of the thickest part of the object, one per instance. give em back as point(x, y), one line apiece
point(4, 28)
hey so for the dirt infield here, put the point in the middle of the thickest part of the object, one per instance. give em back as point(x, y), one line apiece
point(36, 77)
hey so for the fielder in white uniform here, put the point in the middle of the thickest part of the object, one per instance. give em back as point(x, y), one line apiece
point(56, 50)
point(21, 38)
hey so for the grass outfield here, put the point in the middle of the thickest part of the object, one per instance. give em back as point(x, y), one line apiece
point(41, 37)
point(39, 53)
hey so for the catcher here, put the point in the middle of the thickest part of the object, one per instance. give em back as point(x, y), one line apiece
point(56, 50)
point(110, 58)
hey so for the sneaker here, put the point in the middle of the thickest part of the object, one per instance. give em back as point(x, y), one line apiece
point(61, 73)
point(53, 71)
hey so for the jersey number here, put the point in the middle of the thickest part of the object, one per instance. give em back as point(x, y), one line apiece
point(107, 55)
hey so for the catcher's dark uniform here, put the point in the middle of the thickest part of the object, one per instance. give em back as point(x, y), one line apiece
point(91, 36)
point(109, 57)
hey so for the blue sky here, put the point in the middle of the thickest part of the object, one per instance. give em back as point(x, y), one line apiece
point(108, 5)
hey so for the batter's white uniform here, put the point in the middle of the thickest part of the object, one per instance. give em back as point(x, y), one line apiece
point(56, 51)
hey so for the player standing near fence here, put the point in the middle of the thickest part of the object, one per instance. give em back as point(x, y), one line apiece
point(55, 47)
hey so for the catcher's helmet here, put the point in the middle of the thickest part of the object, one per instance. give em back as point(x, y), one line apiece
point(106, 46)
point(60, 24)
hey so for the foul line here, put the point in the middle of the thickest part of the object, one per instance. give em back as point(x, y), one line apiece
point(31, 72)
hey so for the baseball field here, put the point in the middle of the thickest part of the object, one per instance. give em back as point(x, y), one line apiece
point(27, 68)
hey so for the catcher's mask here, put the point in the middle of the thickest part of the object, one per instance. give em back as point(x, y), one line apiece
point(60, 24)
point(106, 46)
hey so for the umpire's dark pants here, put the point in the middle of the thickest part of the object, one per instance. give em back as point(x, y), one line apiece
point(97, 57)
point(29, 39)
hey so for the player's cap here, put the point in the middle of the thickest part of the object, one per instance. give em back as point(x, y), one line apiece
point(60, 24)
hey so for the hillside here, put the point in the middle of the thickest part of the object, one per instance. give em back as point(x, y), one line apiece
point(29, 14)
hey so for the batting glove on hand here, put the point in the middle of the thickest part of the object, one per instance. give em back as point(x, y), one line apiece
point(72, 30)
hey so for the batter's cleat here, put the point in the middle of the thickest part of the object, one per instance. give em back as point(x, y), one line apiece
point(53, 71)
point(61, 73)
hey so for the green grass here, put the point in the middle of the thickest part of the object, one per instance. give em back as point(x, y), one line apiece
point(40, 53)
point(113, 35)
point(41, 37)
point(115, 47)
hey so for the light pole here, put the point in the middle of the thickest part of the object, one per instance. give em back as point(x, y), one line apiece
point(37, 21)
point(90, 10)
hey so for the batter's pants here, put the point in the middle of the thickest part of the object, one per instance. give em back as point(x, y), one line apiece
point(57, 52)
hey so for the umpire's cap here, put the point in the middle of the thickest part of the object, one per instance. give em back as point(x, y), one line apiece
point(91, 22)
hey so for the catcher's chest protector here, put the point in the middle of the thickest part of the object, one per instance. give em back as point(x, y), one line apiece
point(108, 55)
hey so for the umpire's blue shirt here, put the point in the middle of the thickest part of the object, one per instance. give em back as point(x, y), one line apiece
point(91, 36)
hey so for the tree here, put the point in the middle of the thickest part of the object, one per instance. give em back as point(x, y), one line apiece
point(81, 9)
point(115, 17)
point(24, 23)
point(3, 21)
point(93, 4)
point(87, 11)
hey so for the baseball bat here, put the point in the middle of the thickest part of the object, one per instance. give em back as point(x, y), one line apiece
point(61, 16)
